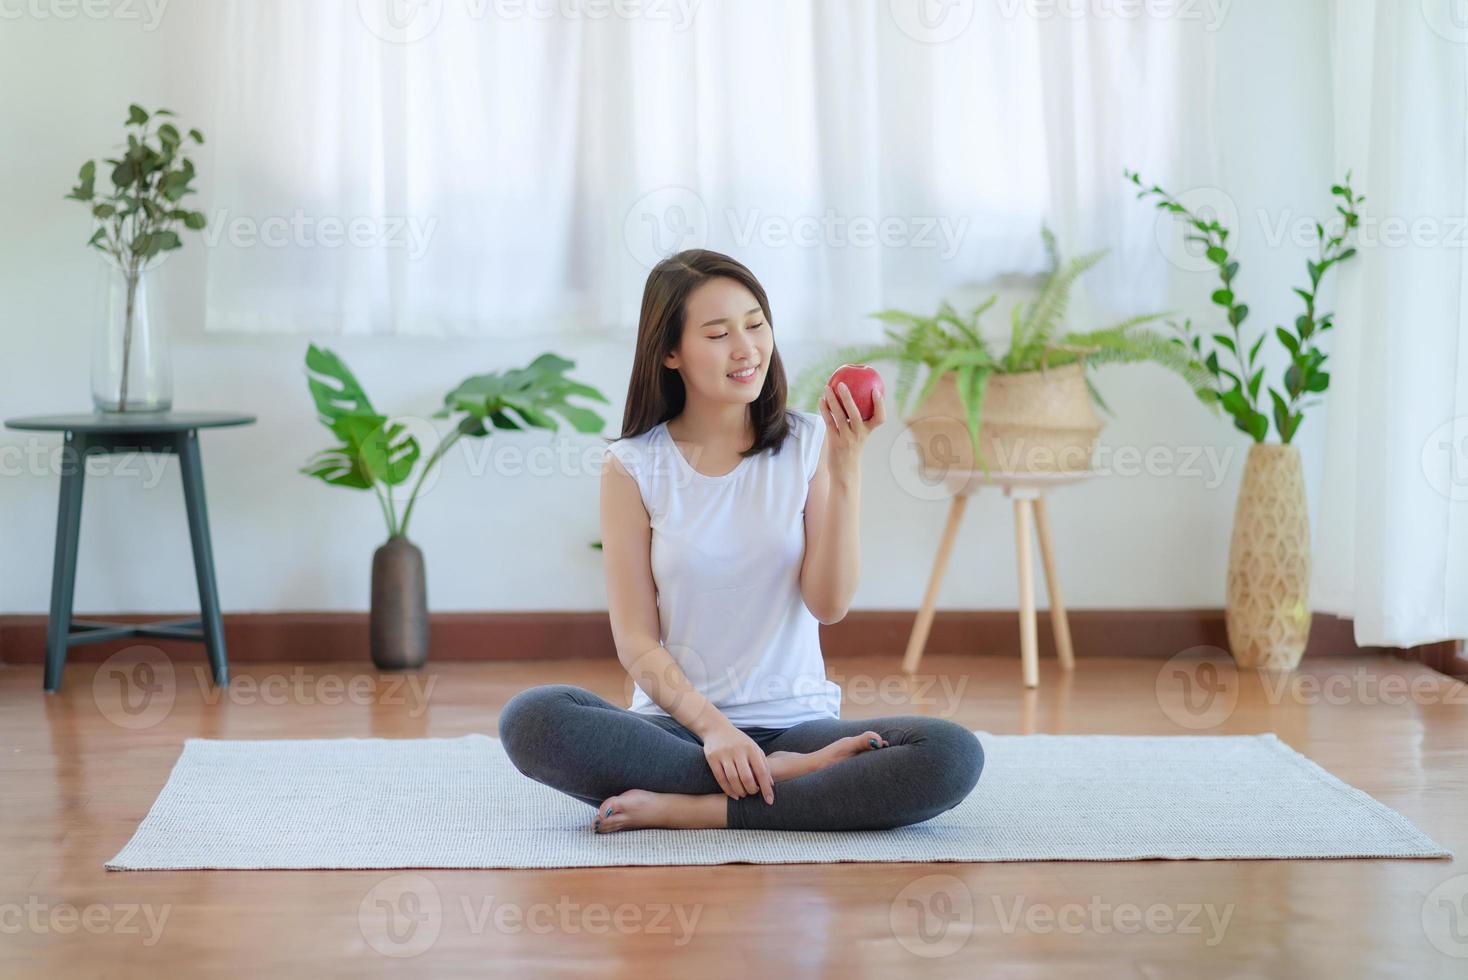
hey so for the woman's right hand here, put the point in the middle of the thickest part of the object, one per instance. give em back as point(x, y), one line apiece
point(738, 763)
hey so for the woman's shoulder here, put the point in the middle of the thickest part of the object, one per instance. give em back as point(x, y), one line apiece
point(805, 424)
point(633, 451)
point(809, 431)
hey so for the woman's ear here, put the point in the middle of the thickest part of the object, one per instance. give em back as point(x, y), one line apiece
point(671, 361)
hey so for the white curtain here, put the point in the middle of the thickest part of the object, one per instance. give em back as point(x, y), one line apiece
point(1392, 544)
point(494, 169)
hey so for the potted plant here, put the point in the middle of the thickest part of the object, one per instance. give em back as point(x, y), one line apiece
point(376, 453)
point(1028, 409)
point(138, 221)
point(1267, 611)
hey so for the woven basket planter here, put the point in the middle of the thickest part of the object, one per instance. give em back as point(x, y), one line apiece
point(1032, 422)
point(1268, 614)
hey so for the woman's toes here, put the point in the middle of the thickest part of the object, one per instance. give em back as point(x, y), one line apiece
point(630, 810)
point(867, 741)
point(609, 816)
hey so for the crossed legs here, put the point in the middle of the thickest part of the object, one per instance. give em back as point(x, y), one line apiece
point(651, 772)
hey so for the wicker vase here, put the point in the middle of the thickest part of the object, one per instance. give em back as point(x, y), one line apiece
point(1031, 422)
point(1268, 613)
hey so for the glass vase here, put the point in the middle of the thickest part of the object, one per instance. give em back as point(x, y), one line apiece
point(130, 360)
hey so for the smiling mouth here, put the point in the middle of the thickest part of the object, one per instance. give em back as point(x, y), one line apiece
point(743, 375)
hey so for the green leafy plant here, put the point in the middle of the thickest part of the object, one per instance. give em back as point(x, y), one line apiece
point(1237, 388)
point(375, 452)
point(949, 342)
point(139, 219)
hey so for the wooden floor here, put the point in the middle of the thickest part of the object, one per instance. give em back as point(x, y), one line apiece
point(80, 769)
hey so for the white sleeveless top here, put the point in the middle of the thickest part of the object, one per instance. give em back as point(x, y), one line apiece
point(726, 556)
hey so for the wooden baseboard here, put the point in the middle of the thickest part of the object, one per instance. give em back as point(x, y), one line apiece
point(327, 637)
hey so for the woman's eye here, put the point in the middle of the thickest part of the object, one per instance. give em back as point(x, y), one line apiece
point(721, 336)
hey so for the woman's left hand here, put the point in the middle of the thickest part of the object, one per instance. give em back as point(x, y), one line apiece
point(846, 432)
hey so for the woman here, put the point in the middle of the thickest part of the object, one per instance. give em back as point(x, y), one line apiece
point(729, 532)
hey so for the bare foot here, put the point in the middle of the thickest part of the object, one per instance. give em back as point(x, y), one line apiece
point(638, 809)
point(788, 765)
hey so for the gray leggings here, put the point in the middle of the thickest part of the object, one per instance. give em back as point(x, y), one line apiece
point(577, 742)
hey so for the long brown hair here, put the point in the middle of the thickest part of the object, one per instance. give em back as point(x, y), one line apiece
point(655, 392)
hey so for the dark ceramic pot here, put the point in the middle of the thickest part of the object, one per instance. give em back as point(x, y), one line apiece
point(399, 621)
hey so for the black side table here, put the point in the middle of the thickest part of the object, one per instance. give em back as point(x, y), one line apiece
point(100, 434)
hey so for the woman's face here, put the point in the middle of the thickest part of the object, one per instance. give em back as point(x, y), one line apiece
point(724, 332)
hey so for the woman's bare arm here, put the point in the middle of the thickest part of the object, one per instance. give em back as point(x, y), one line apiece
point(830, 570)
point(632, 603)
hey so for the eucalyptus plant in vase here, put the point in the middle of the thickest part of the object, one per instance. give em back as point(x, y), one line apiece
point(138, 221)
point(1268, 612)
point(377, 453)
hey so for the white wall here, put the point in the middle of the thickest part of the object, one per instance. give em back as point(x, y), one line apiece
point(496, 542)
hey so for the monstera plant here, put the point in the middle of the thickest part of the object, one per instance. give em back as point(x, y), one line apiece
point(376, 453)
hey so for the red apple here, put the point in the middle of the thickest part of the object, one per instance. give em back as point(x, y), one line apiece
point(863, 381)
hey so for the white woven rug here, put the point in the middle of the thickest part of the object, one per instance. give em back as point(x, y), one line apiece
point(460, 803)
